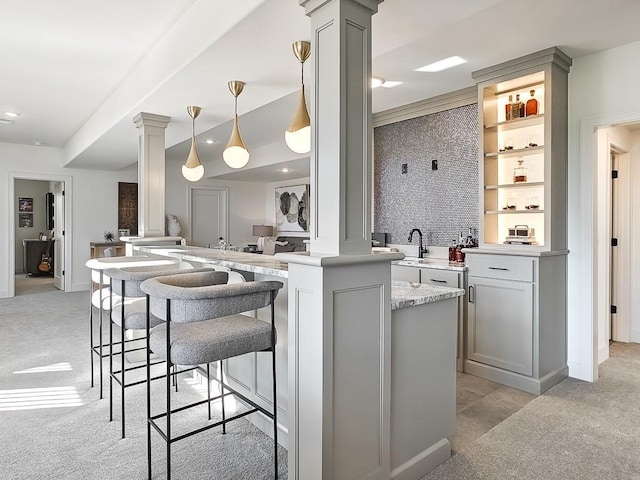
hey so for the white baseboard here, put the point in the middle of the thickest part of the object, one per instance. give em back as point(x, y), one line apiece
point(4, 293)
point(577, 370)
point(635, 335)
point(603, 353)
point(79, 287)
point(424, 462)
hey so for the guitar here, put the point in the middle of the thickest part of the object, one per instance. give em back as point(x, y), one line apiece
point(45, 261)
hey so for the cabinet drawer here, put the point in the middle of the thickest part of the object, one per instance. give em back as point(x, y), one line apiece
point(505, 267)
point(435, 276)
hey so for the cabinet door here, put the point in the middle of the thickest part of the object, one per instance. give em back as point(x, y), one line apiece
point(501, 324)
point(406, 274)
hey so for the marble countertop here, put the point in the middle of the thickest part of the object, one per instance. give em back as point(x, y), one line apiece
point(411, 294)
point(437, 263)
point(247, 262)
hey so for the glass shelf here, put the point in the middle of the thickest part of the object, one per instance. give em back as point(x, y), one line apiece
point(514, 185)
point(516, 152)
point(517, 123)
point(512, 212)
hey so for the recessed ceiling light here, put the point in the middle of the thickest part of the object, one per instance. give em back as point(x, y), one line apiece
point(210, 141)
point(285, 170)
point(6, 121)
point(37, 143)
point(442, 64)
point(12, 114)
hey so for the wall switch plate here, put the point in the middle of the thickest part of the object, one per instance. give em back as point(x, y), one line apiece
point(434, 164)
point(404, 168)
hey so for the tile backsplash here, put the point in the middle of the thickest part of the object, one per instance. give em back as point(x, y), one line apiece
point(441, 203)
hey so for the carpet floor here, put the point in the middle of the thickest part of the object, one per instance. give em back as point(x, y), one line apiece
point(575, 431)
point(54, 426)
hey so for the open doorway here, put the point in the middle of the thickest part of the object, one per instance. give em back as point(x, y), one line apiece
point(39, 233)
point(615, 184)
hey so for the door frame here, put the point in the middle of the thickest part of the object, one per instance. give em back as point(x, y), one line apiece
point(67, 181)
point(190, 191)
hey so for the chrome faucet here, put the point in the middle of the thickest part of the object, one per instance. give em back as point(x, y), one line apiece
point(421, 249)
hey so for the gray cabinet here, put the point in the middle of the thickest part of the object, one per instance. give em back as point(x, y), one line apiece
point(516, 323)
point(404, 273)
point(501, 323)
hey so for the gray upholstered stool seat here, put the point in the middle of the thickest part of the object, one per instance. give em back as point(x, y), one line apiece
point(211, 340)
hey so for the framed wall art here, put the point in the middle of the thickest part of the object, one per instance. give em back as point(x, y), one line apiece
point(292, 208)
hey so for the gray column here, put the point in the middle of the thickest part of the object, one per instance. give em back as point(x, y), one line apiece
point(341, 137)
point(151, 166)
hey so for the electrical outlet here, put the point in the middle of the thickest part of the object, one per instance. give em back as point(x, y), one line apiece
point(434, 164)
point(404, 168)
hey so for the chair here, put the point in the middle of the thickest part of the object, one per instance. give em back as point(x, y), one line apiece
point(130, 313)
point(203, 324)
point(100, 298)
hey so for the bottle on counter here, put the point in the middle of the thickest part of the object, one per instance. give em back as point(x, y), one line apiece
point(531, 107)
point(452, 251)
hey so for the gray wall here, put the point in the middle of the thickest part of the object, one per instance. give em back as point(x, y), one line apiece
point(36, 189)
point(440, 203)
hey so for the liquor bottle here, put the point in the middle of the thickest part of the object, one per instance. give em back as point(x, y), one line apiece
point(532, 104)
point(507, 109)
point(520, 106)
point(520, 172)
point(515, 108)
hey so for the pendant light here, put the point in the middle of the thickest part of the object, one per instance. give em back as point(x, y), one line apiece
point(193, 170)
point(298, 135)
point(235, 153)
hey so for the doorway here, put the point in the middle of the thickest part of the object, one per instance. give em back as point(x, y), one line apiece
point(39, 232)
point(613, 237)
point(208, 215)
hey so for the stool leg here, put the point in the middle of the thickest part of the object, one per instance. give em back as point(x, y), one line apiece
point(91, 328)
point(168, 389)
point(208, 392)
point(100, 328)
point(111, 355)
point(224, 418)
point(122, 364)
point(148, 397)
point(275, 395)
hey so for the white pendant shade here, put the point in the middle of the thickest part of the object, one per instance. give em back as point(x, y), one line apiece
point(300, 140)
point(235, 156)
point(193, 174)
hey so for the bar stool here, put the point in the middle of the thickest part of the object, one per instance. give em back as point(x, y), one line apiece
point(203, 324)
point(130, 313)
point(100, 299)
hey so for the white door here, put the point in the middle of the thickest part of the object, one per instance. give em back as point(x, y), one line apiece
point(209, 216)
point(58, 226)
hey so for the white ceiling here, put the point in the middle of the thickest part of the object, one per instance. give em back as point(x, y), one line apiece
point(78, 70)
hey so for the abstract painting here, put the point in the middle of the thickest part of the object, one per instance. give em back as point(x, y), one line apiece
point(292, 208)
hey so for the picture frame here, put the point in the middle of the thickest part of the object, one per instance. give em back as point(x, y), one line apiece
point(25, 220)
point(292, 208)
point(25, 204)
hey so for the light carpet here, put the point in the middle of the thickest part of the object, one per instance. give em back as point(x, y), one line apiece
point(54, 426)
point(575, 431)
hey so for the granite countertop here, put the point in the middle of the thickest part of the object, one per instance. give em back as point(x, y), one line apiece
point(247, 262)
point(429, 262)
point(411, 294)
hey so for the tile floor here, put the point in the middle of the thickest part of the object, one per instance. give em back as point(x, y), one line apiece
point(481, 405)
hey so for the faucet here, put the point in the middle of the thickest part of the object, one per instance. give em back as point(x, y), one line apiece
point(421, 249)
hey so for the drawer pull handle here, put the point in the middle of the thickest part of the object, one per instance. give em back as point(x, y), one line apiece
point(437, 281)
point(499, 268)
point(472, 294)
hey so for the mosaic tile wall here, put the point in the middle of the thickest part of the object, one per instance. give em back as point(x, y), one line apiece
point(441, 203)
